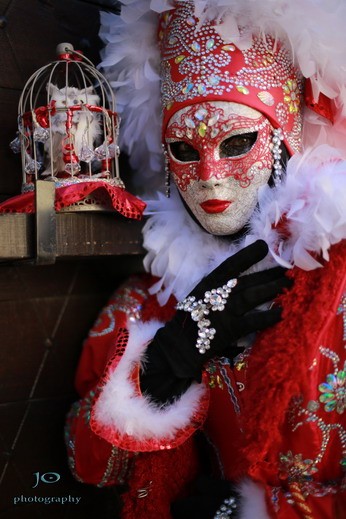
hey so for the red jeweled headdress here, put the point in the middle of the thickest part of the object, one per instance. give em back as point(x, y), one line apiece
point(198, 63)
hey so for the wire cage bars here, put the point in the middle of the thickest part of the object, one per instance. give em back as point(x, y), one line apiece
point(68, 125)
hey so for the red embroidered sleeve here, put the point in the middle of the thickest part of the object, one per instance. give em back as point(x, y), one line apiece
point(149, 443)
point(103, 439)
point(92, 459)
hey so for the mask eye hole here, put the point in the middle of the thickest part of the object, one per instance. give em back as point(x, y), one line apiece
point(183, 151)
point(237, 145)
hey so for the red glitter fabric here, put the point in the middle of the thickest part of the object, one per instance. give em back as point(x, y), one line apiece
point(123, 202)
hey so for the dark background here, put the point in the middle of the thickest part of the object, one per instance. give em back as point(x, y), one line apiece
point(45, 311)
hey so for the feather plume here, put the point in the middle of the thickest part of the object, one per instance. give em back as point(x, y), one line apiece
point(130, 60)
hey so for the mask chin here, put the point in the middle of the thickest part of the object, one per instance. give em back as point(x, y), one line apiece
point(228, 237)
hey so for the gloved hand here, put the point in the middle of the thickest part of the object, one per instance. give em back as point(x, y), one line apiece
point(173, 348)
point(209, 494)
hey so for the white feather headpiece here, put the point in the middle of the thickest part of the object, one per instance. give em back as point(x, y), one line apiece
point(314, 31)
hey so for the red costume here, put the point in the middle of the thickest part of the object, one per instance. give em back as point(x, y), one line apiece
point(296, 451)
point(275, 419)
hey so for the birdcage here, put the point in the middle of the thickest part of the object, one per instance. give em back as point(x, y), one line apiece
point(68, 128)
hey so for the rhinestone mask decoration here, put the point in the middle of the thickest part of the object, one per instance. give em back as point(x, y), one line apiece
point(221, 191)
point(200, 63)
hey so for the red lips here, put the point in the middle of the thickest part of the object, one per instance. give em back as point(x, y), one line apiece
point(214, 206)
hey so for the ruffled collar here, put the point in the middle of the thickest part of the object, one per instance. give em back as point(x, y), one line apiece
point(299, 220)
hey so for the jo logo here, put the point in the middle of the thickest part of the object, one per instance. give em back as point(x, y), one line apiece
point(47, 477)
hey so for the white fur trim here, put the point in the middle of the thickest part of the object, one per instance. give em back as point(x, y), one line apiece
point(120, 407)
point(252, 504)
point(312, 199)
point(180, 253)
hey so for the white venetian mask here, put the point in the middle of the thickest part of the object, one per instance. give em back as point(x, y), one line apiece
point(219, 155)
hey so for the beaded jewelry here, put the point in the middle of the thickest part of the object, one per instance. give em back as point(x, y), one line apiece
point(167, 173)
point(227, 508)
point(276, 151)
point(214, 300)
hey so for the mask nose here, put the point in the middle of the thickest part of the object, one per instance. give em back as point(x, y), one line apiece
point(210, 183)
point(210, 171)
point(207, 170)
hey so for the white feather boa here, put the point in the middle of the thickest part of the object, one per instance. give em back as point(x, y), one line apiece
point(312, 201)
point(314, 30)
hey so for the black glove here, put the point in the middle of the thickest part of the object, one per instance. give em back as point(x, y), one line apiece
point(207, 499)
point(173, 349)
